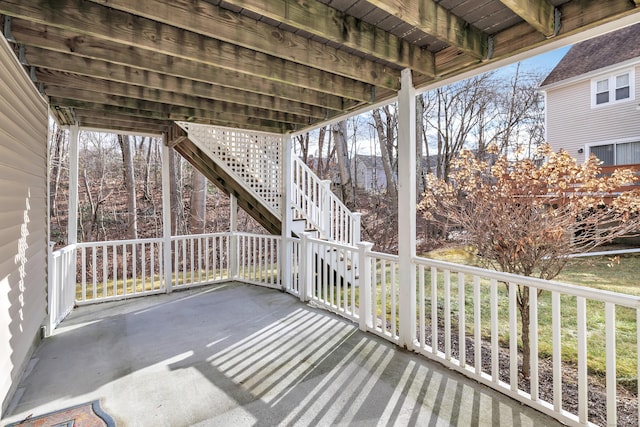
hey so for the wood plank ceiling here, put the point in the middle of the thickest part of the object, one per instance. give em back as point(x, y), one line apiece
point(272, 65)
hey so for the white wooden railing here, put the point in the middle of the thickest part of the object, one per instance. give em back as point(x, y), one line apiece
point(314, 202)
point(61, 284)
point(458, 309)
point(200, 259)
point(118, 269)
point(258, 259)
point(92, 272)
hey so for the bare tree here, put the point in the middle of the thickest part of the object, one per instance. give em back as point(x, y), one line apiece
point(386, 129)
point(452, 113)
point(177, 208)
point(56, 158)
point(130, 186)
point(303, 143)
point(198, 204)
point(339, 132)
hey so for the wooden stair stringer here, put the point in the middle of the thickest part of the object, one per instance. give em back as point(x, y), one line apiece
point(227, 183)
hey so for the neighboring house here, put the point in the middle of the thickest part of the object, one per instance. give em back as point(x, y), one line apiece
point(368, 172)
point(593, 97)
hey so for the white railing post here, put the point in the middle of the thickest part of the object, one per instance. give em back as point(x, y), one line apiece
point(325, 209)
point(233, 237)
point(166, 218)
point(306, 270)
point(286, 213)
point(407, 208)
point(52, 287)
point(364, 283)
point(355, 224)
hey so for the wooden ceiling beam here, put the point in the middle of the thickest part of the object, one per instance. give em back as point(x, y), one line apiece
point(576, 16)
point(116, 125)
point(310, 103)
point(167, 95)
point(221, 119)
point(67, 81)
point(435, 20)
point(252, 70)
point(214, 110)
point(95, 20)
point(538, 13)
point(331, 24)
point(131, 120)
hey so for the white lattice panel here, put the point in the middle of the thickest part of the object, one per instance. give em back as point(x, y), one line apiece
point(254, 157)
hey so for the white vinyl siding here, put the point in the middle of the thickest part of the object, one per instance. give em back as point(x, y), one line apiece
point(573, 125)
point(23, 219)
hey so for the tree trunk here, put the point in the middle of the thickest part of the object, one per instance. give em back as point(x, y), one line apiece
point(346, 183)
point(130, 186)
point(420, 172)
point(56, 160)
point(198, 208)
point(523, 306)
point(176, 193)
point(303, 142)
point(147, 170)
point(392, 189)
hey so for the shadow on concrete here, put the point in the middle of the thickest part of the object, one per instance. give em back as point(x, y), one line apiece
point(236, 354)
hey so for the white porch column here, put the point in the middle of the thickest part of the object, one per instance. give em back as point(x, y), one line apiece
point(72, 224)
point(166, 215)
point(407, 208)
point(233, 238)
point(287, 215)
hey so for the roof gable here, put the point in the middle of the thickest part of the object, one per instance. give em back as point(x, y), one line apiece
point(600, 52)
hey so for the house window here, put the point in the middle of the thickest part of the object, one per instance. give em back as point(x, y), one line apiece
point(622, 87)
point(602, 92)
point(621, 153)
point(614, 88)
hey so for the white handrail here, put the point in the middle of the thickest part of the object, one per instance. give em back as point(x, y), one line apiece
point(314, 200)
point(548, 285)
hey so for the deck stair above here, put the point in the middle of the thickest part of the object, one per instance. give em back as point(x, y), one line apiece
point(248, 164)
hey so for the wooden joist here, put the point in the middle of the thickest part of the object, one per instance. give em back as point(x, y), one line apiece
point(274, 65)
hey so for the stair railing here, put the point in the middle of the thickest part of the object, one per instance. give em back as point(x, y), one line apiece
point(314, 201)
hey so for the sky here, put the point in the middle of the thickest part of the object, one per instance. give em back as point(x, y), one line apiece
point(543, 63)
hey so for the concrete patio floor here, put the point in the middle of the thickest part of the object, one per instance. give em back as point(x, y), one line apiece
point(240, 355)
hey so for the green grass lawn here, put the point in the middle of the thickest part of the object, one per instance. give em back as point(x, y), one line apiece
point(616, 274)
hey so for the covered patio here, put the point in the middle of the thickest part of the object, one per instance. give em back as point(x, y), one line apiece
point(252, 356)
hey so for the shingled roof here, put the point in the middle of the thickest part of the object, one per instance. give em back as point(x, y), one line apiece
point(599, 52)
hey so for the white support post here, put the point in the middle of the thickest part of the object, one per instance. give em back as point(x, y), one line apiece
point(407, 208)
point(355, 233)
point(166, 215)
point(72, 224)
point(233, 238)
point(306, 261)
point(364, 283)
point(287, 214)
